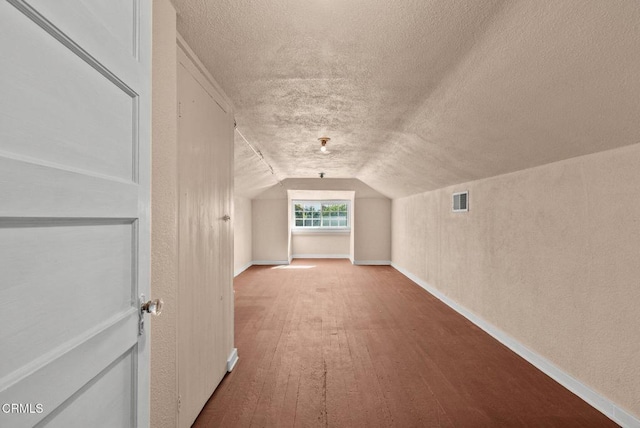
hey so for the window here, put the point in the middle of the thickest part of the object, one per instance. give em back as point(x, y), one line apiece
point(321, 214)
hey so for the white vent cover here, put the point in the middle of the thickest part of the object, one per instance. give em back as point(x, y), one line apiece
point(461, 202)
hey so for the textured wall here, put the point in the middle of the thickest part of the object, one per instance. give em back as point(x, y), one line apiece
point(242, 234)
point(164, 213)
point(548, 255)
point(270, 230)
point(373, 230)
point(321, 244)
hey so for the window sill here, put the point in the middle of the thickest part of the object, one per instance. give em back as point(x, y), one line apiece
point(310, 231)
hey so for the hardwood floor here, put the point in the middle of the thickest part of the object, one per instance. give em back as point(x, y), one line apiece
point(326, 343)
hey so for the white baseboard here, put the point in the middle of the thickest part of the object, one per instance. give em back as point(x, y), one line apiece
point(372, 262)
point(602, 404)
point(321, 256)
point(242, 269)
point(270, 262)
point(232, 360)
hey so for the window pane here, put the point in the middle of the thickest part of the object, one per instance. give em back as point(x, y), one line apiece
point(321, 214)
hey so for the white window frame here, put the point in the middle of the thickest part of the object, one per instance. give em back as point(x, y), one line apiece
point(321, 228)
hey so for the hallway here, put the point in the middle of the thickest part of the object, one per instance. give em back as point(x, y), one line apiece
point(327, 343)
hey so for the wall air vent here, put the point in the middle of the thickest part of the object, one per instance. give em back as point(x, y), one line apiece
point(461, 202)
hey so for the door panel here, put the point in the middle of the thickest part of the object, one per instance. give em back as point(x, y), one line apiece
point(74, 226)
point(83, 276)
point(87, 120)
point(113, 388)
point(96, 21)
point(59, 383)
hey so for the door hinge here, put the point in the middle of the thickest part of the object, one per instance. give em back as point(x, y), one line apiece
point(179, 402)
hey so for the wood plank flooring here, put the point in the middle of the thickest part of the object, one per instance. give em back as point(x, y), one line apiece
point(326, 343)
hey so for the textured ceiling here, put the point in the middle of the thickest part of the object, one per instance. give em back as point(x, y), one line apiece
point(317, 185)
point(419, 94)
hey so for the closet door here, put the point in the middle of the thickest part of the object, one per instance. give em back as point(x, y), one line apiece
point(205, 322)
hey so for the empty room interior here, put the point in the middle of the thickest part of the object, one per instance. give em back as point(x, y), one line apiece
point(399, 162)
point(420, 213)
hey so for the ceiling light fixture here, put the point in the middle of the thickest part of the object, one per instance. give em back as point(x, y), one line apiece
point(323, 144)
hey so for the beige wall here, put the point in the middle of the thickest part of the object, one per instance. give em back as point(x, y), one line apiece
point(368, 242)
point(242, 234)
point(547, 255)
point(372, 243)
point(270, 230)
point(268, 243)
point(164, 213)
point(320, 245)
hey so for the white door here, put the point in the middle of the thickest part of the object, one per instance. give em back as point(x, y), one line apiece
point(74, 212)
point(205, 291)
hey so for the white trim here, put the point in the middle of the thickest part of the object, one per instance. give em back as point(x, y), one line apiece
point(320, 230)
point(624, 418)
point(242, 269)
point(602, 404)
point(321, 256)
point(205, 73)
point(232, 360)
point(270, 262)
point(371, 262)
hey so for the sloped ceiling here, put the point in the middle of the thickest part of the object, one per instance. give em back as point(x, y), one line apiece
point(419, 94)
point(279, 191)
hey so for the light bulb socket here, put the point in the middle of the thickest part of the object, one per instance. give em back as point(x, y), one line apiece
point(323, 143)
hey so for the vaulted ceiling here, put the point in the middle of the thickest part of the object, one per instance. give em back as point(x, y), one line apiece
point(419, 94)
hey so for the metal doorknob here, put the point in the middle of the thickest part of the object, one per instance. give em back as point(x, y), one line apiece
point(226, 217)
point(153, 307)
